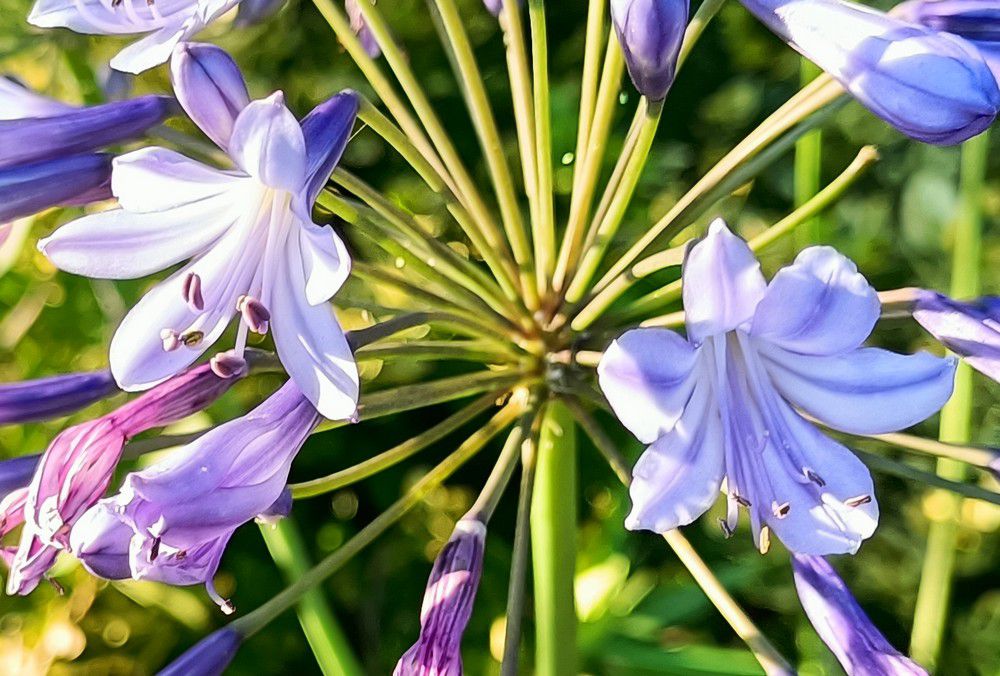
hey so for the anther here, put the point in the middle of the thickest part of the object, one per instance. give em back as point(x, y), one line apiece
point(858, 501)
point(154, 551)
point(228, 365)
point(815, 478)
point(740, 499)
point(726, 530)
point(55, 585)
point(181, 555)
point(192, 338)
point(192, 292)
point(765, 540)
point(781, 511)
point(255, 315)
point(171, 341)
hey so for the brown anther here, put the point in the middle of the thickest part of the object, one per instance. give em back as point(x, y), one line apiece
point(815, 478)
point(740, 499)
point(154, 551)
point(228, 365)
point(55, 585)
point(726, 530)
point(781, 511)
point(858, 501)
point(192, 338)
point(181, 555)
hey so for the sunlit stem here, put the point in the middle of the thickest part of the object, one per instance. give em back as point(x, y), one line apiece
point(492, 145)
point(770, 659)
point(951, 489)
point(479, 351)
point(501, 267)
point(522, 97)
point(787, 125)
point(396, 455)
point(934, 593)
point(329, 645)
point(588, 167)
point(517, 587)
point(467, 191)
point(696, 26)
point(510, 456)
point(553, 543)
point(978, 456)
point(603, 231)
point(660, 298)
point(341, 26)
point(250, 624)
point(808, 166)
point(543, 225)
point(596, 32)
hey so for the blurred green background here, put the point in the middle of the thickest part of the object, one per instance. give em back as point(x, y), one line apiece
point(640, 611)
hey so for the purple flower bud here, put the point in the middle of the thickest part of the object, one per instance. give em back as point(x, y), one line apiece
point(494, 7)
point(447, 606)
point(364, 33)
point(650, 33)
point(75, 471)
point(253, 12)
point(978, 21)
point(970, 330)
point(17, 101)
point(68, 181)
point(44, 398)
point(281, 508)
point(931, 86)
point(17, 472)
point(209, 657)
point(210, 87)
point(842, 624)
point(173, 519)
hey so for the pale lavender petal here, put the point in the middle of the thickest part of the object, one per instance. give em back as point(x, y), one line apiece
point(29, 566)
point(17, 102)
point(650, 33)
point(648, 376)
point(326, 129)
point(101, 18)
point(867, 391)
point(156, 179)
point(969, 329)
point(154, 49)
point(820, 305)
point(100, 540)
point(845, 628)
point(77, 179)
point(326, 262)
point(678, 478)
point(44, 398)
point(210, 87)
point(267, 143)
point(722, 283)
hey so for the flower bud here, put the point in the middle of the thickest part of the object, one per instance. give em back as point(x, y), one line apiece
point(931, 86)
point(210, 87)
point(447, 606)
point(45, 398)
point(66, 181)
point(650, 33)
point(969, 329)
point(978, 21)
point(208, 657)
point(17, 472)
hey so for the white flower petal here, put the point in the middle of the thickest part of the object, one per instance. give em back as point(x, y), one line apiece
point(327, 263)
point(98, 18)
point(268, 144)
point(156, 179)
point(152, 50)
point(648, 376)
point(818, 305)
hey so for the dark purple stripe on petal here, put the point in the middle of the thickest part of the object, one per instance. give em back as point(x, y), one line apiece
point(327, 129)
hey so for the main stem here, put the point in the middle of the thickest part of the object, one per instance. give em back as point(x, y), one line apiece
point(553, 543)
point(934, 593)
point(808, 165)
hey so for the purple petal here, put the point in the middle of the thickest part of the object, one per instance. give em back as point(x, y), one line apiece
point(17, 102)
point(327, 129)
point(156, 179)
point(326, 262)
point(209, 657)
point(44, 398)
point(26, 190)
point(100, 540)
point(361, 29)
point(819, 305)
point(648, 376)
point(843, 625)
point(253, 12)
point(650, 33)
point(17, 472)
point(268, 144)
point(210, 87)
point(722, 283)
point(971, 330)
point(867, 391)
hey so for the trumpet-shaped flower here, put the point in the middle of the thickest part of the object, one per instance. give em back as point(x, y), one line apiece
point(650, 33)
point(74, 472)
point(47, 148)
point(845, 628)
point(930, 85)
point(247, 234)
point(447, 606)
point(167, 22)
point(171, 521)
point(721, 408)
point(978, 21)
point(46, 398)
point(969, 329)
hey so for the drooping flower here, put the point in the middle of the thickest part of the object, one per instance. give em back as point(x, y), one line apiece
point(74, 472)
point(931, 86)
point(361, 28)
point(45, 398)
point(650, 33)
point(171, 521)
point(978, 21)
point(209, 657)
point(167, 24)
point(247, 233)
point(447, 606)
point(719, 408)
point(969, 329)
point(845, 628)
point(48, 149)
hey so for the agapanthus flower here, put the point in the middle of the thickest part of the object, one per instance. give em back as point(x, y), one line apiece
point(930, 85)
point(361, 29)
point(174, 518)
point(168, 23)
point(447, 606)
point(978, 21)
point(970, 329)
point(76, 469)
point(246, 232)
point(44, 398)
point(253, 12)
point(721, 408)
point(845, 628)
point(650, 33)
point(48, 149)
point(209, 657)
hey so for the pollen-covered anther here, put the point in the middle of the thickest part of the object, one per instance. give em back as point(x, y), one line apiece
point(740, 499)
point(781, 510)
point(764, 541)
point(192, 292)
point(228, 365)
point(815, 478)
point(858, 501)
point(154, 550)
point(171, 340)
point(255, 315)
point(192, 338)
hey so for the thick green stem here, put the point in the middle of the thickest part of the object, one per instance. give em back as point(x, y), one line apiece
point(329, 645)
point(553, 543)
point(808, 167)
point(934, 593)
